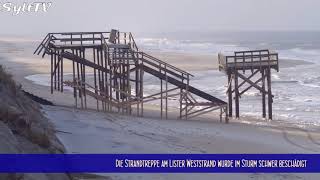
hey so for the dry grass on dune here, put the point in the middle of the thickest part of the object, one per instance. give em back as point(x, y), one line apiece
point(23, 116)
point(6, 79)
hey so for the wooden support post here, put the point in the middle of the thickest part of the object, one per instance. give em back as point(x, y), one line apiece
point(180, 101)
point(166, 92)
point(230, 93)
point(236, 93)
point(58, 73)
point(161, 95)
point(51, 74)
point(226, 114)
point(128, 87)
point(263, 93)
point(141, 89)
point(137, 84)
point(102, 88)
point(55, 72)
point(186, 96)
point(61, 59)
point(74, 82)
point(99, 76)
point(84, 80)
point(180, 104)
point(95, 77)
point(112, 85)
point(116, 85)
point(106, 81)
point(121, 82)
point(79, 80)
point(110, 78)
point(220, 114)
point(269, 94)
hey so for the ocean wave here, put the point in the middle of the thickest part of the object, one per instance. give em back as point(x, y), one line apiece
point(310, 85)
point(314, 52)
point(186, 46)
point(275, 76)
point(44, 80)
point(313, 82)
point(251, 93)
point(290, 109)
point(284, 81)
point(311, 55)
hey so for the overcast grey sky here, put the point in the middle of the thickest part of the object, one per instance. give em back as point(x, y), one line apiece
point(166, 15)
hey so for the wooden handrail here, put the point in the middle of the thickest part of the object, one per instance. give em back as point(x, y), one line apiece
point(41, 44)
point(134, 45)
point(166, 64)
point(252, 51)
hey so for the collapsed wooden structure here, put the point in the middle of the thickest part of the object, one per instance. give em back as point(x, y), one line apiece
point(118, 70)
point(259, 64)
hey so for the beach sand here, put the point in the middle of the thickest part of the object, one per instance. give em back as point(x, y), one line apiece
point(89, 131)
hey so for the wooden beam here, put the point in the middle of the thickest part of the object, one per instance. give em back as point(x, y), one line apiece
point(249, 87)
point(230, 93)
point(263, 94)
point(236, 75)
point(270, 101)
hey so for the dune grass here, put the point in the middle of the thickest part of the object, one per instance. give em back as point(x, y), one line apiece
point(6, 79)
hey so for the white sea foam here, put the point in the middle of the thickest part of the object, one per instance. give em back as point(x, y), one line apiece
point(40, 79)
point(312, 55)
point(276, 76)
point(309, 85)
point(44, 80)
point(186, 46)
point(252, 93)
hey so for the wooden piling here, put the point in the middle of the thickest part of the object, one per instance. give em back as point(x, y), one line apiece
point(230, 93)
point(51, 75)
point(263, 94)
point(255, 61)
point(270, 101)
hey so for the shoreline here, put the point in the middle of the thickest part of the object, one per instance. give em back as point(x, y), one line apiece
point(24, 66)
point(152, 110)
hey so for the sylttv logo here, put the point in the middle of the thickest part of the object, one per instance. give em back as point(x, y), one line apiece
point(24, 8)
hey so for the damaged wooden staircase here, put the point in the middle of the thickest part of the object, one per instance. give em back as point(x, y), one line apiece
point(119, 68)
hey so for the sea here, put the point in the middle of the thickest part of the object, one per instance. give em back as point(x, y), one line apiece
point(296, 87)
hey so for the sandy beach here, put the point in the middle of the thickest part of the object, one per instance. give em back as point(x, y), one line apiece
point(89, 131)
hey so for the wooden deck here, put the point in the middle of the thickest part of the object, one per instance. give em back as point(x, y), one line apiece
point(259, 64)
point(249, 60)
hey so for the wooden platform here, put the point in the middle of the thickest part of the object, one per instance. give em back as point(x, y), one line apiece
point(248, 60)
point(259, 64)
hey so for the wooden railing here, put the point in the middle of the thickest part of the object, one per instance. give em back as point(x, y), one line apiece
point(243, 59)
point(155, 63)
point(80, 38)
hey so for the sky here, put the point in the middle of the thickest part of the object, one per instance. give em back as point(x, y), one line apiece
point(164, 16)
